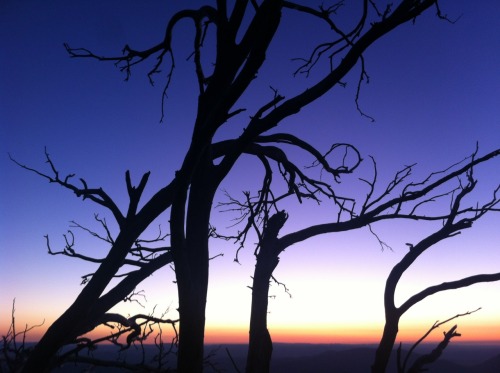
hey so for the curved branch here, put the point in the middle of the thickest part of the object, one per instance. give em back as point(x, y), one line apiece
point(285, 138)
point(452, 285)
point(407, 10)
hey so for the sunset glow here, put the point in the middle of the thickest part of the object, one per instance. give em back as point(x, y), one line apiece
point(433, 91)
point(369, 334)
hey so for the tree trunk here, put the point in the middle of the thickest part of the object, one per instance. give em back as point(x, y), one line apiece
point(191, 268)
point(386, 345)
point(192, 301)
point(59, 333)
point(260, 346)
point(75, 319)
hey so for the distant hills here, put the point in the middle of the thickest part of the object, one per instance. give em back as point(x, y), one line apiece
point(358, 358)
point(324, 358)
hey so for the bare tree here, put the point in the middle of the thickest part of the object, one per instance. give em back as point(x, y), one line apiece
point(243, 32)
point(409, 203)
point(453, 224)
point(128, 250)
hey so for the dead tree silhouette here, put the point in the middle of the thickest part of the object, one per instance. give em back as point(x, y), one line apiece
point(411, 196)
point(243, 32)
point(453, 223)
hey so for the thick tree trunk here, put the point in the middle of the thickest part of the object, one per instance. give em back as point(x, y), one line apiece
point(191, 268)
point(386, 345)
point(192, 301)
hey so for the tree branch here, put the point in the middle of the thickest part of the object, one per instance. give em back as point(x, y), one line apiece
point(434, 355)
point(97, 195)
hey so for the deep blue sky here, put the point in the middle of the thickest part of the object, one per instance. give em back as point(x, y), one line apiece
point(434, 90)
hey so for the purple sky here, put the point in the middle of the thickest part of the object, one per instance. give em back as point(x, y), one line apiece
point(434, 90)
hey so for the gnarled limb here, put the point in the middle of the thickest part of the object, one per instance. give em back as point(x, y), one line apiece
point(452, 225)
point(89, 302)
point(135, 329)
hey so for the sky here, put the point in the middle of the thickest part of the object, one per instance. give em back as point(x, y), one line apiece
point(433, 90)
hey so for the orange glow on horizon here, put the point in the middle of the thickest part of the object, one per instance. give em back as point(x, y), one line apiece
point(230, 335)
point(471, 333)
point(367, 335)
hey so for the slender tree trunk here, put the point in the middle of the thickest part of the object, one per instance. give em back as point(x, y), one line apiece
point(260, 346)
point(386, 345)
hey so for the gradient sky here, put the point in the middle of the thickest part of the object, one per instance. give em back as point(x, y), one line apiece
point(434, 91)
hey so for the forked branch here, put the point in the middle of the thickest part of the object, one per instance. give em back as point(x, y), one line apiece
point(418, 365)
point(97, 195)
